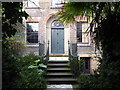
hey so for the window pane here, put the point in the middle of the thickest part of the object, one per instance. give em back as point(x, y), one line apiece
point(57, 24)
point(79, 32)
point(32, 32)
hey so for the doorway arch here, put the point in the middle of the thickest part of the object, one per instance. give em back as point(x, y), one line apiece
point(57, 37)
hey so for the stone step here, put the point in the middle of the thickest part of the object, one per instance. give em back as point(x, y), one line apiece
point(60, 61)
point(62, 69)
point(59, 75)
point(58, 58)
point(61, 80)
point(57, 65)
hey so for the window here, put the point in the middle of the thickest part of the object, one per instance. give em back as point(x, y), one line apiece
point(32, 3)
point(32, 32)
point(57, 3)
point(79, 31)
point(82, 35)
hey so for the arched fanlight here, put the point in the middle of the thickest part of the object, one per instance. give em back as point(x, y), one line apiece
point(57, 24)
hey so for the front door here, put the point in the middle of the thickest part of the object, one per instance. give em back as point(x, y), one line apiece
point(57, 42)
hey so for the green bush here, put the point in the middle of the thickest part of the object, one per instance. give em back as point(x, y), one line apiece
point(76, 66)
point(30, 79)
point(11, 51)
point(13, 46)
point(93, 81)
point(88, 81)
point(31, 74)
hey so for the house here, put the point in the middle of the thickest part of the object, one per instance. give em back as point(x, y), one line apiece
point(43, 30)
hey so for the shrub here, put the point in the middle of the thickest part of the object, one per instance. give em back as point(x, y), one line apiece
point(88, 81)
point(76, 66)
point(13, 46)
point(30, 79)
point(30, 73)
point(11, 51)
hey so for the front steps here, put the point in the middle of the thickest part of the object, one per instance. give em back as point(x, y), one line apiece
point(58, 72)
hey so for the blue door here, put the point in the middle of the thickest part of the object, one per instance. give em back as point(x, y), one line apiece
point(57, 42)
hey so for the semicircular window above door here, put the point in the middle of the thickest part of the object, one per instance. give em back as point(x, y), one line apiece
point(57, 37)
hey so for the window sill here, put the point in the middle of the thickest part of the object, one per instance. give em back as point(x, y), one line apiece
point(83, 44)
point(32, 7)
point(56, 7)
point(32, 45)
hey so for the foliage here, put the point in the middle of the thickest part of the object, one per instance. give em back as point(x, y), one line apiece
point(76, 66)
point(31, 73)
point(88, 81)
point(68, 14)
point(30, 79)
point(12, 50)
point(106, 21)
point(13, 46)
point(11, 14)
point(9, 71)
point(93, 81)
point(81, 65)
point(107, 35)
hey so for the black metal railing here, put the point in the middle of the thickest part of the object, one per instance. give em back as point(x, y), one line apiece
point(47, 53)
point(73, 60)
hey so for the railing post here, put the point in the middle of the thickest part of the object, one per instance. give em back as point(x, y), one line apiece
point(47, 53)
point(39, 48)
point(69, 51)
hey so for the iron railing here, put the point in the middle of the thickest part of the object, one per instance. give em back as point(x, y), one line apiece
point(44, 55)
point(47, 53)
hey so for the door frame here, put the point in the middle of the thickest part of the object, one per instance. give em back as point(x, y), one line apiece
point(47, 35)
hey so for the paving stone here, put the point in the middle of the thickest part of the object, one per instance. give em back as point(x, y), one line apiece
point(60, 87)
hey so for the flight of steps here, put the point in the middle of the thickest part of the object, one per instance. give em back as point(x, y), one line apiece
point(58, 72)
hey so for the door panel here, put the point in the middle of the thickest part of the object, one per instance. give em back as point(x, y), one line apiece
point(61, 41)
point(54, 41)
point(57, 41)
